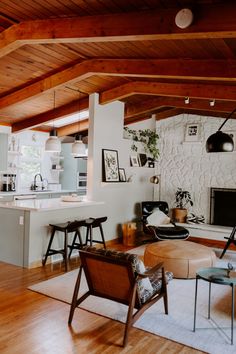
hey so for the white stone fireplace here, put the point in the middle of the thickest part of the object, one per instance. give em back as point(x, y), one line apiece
point(187, 164)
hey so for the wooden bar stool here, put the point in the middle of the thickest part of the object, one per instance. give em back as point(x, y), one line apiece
point(66, 228)
point(90, 224)
point(78, 244)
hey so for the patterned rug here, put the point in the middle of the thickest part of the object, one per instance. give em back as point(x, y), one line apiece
point(211, 336)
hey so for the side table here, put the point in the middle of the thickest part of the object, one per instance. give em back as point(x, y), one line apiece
point(217, 276)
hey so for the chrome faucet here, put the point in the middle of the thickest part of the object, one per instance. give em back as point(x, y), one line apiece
point(35, 178)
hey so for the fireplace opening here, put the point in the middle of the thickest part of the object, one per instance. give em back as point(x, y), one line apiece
point(223, 206)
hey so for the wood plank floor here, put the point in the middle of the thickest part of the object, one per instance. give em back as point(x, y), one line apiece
point(32, 323)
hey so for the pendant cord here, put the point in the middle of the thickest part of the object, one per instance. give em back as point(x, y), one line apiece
point(229, 116)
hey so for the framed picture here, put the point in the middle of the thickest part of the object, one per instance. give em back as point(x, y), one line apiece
point(122, 175)
point(192, 133)
point(134, 161)
point(142, 159)
point(233, 136)
point(110, 166)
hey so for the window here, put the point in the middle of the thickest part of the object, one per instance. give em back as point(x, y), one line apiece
point(30, 163)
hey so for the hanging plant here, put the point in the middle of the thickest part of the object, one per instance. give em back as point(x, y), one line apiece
point(147, 137)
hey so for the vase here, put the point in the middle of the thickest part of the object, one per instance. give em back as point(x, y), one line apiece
point(179, 215)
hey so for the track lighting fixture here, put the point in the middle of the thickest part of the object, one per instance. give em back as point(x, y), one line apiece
point(212, 103)
point(186, 100)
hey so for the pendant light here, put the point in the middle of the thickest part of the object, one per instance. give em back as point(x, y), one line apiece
point(53, 144)
point(78, 147)
point(219, 141)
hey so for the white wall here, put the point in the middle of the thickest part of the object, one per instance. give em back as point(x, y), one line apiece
point(188, 165)
point(121, 199)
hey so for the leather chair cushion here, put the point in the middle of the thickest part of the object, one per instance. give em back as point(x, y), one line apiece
point(166, 233)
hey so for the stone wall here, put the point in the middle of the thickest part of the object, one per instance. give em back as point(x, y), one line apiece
point(187, 165)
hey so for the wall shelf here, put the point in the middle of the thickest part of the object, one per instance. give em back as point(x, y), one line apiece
point(104, 184)
point(16, 153)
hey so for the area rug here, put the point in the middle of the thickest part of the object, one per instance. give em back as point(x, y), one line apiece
point(211, 336)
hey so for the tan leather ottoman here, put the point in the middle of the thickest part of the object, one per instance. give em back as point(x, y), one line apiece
point(183, 258)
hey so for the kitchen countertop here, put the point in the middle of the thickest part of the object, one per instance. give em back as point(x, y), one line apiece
point(49, 191)
point(46, 204)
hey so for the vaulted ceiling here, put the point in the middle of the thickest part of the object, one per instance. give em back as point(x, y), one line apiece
point(55, 53)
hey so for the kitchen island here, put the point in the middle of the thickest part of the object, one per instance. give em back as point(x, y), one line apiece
point(25, 227)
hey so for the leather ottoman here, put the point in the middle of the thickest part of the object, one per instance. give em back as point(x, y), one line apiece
point(183, 258)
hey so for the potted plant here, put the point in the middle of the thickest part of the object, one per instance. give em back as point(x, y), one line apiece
point(182, 200)
point(147, 137)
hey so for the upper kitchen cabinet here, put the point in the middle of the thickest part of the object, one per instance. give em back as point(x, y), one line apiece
point(4, 151)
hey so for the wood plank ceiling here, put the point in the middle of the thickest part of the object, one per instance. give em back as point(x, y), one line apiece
point(55, 53)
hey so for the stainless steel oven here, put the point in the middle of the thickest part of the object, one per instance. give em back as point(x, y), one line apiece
point(82, 181)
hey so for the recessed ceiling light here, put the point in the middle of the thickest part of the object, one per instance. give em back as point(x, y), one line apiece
point(184, 18)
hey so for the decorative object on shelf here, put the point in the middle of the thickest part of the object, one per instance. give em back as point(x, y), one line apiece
point(142, 159)
point(182, 199)
point(151, 162)
point(34, 138)
point(78, 148)
point(219, 141)
point(110, 165)
point(122, 175)
point(194, 219)
point(53, 144)
point(56, 167)
point(192, 133)
point(147, 137)
point(134, 161)
point(14, 145)
point(155, 180)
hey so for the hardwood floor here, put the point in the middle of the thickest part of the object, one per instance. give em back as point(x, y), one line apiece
point(32, 323)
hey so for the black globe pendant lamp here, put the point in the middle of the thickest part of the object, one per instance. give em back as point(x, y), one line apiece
point(219, 141)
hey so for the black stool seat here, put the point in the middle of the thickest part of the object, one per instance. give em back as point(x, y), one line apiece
point(90, 224)
point(66, 228)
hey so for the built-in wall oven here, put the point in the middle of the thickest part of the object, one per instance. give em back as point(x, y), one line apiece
point(82, 181)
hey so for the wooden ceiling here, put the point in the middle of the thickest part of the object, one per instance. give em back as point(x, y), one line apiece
point(55, 53)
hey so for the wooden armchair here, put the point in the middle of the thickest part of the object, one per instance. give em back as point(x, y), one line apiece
point(121, 277)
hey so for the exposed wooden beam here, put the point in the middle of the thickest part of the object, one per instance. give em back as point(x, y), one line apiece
point(73, 128)
point(211, 21)
point(72, 107)
point(150, 105)
point(163, 68)
point(208, 113)
point(168, 113)
point(203, 91)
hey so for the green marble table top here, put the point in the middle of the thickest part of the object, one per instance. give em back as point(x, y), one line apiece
point(217, 275)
